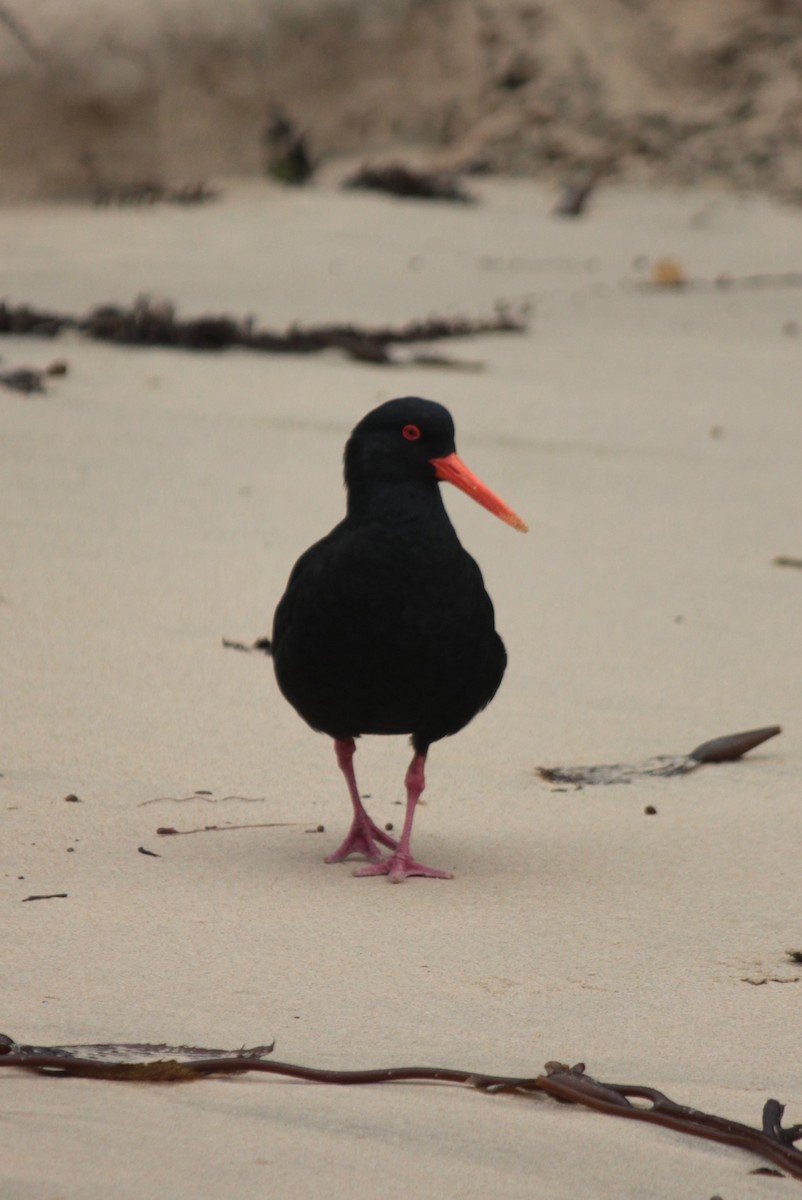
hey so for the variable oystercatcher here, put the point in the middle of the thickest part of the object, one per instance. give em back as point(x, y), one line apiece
point(385, 626)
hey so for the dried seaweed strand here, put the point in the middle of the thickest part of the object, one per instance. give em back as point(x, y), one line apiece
point(569, 1085)
point(151, 323)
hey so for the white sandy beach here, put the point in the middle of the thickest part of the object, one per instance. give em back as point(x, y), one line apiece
point(154, 501)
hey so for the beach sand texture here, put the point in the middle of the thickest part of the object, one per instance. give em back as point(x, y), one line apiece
point(153, 502)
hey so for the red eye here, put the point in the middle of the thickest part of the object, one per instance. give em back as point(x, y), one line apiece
point(411, 433)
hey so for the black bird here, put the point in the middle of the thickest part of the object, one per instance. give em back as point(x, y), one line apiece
point(385, 626)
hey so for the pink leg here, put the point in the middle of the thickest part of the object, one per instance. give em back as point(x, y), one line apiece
point(398, 865)
point(363, 834)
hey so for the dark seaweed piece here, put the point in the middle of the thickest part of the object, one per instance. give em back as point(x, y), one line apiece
point(399, 179)
point(23, 379)
point(773, 1113)
point(733, 746)
point(30, 379)
point(569, 1085)
point(22, 319)
point(154, 323)
point(786, 560)
point(148, 324)
point(264, 645)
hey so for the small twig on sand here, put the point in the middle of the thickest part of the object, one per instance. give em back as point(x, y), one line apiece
point(166, 830)
point(263, 645)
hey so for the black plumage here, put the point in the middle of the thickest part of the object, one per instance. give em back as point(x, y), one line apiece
point(385, 626)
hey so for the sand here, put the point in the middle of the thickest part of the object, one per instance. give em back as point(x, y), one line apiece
point(154, 501)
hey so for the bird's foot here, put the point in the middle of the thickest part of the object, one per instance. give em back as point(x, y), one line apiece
point(398, 866)
point(361, 839)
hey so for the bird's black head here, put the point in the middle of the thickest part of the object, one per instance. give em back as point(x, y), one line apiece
point(410, 442)
point(397, 441)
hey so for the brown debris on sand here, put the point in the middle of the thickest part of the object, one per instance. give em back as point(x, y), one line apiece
point(411, 183)
point(31, 380)
point(155, 323)
point(287, 158)
point(722, 749)
point(145, 1063)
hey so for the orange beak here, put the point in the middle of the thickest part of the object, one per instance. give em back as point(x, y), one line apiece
point(452, 469)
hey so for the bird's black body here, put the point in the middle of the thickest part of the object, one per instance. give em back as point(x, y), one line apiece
point(385, 626)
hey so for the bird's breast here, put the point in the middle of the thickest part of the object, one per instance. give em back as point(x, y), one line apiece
point(387, 634)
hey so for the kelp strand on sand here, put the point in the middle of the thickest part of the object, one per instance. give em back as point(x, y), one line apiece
point(142, 1063)
point(149, 322)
